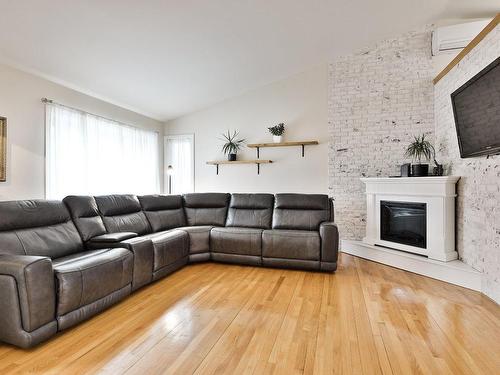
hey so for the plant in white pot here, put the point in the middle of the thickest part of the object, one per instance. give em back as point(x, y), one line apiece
point(277, 132)
point(420, 149)
point(232, 145)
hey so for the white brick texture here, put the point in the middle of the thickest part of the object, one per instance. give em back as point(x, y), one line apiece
point(478, 203)
point(379, 99)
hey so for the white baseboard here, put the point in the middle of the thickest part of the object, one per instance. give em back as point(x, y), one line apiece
point(455, 272)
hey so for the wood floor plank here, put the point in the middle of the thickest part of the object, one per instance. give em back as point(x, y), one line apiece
point(254, 325)
point(211, 318)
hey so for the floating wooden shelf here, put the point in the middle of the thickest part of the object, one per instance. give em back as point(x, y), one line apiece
point(258, 146)
point(257, 162)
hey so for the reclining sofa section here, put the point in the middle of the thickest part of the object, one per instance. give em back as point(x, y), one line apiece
point(63, 262)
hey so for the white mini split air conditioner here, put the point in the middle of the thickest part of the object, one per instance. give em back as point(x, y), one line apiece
point(450, 39)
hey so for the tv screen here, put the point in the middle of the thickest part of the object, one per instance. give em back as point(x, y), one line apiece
point(476, 106)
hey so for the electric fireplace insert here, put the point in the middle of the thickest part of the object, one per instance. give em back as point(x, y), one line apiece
point(404, 223)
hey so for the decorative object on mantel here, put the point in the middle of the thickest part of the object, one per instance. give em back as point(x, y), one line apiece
point(420, 149)
point(232, 145)
point(438, 170)
point(257, 162)
point(282, 144)
point(277, 131)
point(406, 170)
point(3, 149)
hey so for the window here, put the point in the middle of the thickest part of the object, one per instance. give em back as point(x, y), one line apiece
point(91, 155)
point(179, 153)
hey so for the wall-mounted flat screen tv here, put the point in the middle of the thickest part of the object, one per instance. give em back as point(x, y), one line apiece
point(476, 106)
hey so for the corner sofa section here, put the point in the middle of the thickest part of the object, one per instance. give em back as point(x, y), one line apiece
point(63, 262)
point(240, 239)
point(203, 213)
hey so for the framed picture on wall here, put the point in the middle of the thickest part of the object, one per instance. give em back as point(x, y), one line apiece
point(3, 149)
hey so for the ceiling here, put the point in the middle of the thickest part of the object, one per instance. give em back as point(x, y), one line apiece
point(168, 58)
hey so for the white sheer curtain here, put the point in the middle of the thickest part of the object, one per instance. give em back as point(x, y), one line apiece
point(179, 153)
point(91, 155)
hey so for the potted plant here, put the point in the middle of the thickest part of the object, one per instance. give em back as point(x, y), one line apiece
point(420, 149)
point(232, 145)
point(277, 132)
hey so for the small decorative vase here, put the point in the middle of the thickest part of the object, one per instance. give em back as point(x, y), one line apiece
point(419, 170)
point(277, 138)
point(231, 157)
point(438, 170)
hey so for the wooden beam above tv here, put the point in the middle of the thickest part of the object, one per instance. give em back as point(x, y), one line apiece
point(474, 42)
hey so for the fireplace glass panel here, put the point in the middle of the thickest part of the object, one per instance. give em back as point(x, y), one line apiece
point(404, 223)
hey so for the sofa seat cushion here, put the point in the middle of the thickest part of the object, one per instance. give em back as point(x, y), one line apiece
point(241, 241)
point(291, 244)
point(85, 277)
point(199, 238)
point(168, 247)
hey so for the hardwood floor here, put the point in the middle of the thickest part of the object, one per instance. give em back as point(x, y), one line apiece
point(213, 319)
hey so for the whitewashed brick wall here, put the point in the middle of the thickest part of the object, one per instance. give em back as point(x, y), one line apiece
point(379, 99)
point(478, 203)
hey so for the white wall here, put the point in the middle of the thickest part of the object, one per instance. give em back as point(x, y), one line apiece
point(300, 102)
point(380, 98)
point(20, 103)
point(478, 208)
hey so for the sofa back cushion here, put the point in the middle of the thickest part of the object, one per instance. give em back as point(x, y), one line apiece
point(250, 210)
point(300, 211)
point(37, 227)
point(122, 213)
point(163, 211)
point(85, 215)
point(206, 208)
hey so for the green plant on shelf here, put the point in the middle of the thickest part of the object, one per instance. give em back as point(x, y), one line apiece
point(232, 144)
point(277, 130)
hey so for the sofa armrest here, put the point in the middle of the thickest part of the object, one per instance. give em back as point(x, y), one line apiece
point(113, 237)
point(142, 249)
point(332, 209)
point(329, 234)
point(143, 260)
point(34, 278)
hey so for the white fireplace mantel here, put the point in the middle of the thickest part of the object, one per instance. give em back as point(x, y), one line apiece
point(438, 193)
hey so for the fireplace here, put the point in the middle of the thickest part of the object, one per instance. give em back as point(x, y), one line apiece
point(415, 215)
point(410, 224)
point(404, 223)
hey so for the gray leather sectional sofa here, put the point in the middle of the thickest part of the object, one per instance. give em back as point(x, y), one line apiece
point(63, 262)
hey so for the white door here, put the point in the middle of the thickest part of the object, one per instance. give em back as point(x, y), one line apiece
point(179, 164)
